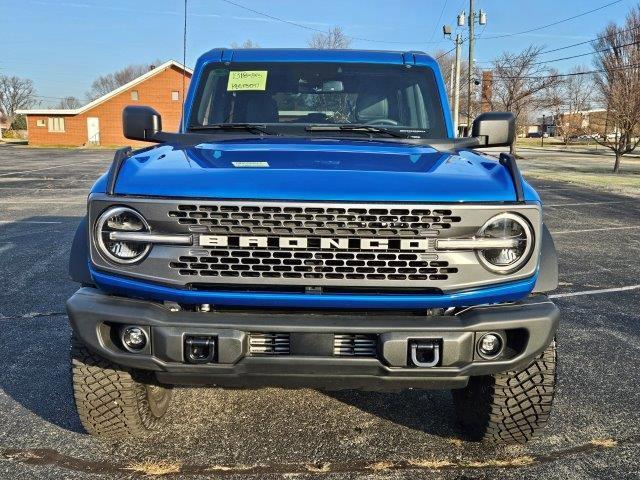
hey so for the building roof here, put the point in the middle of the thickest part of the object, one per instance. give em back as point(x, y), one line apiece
point(111, 94)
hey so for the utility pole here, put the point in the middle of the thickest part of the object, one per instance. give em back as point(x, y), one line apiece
point(472, 24)
point(482, 20)
point(456, 87)
point(451, 69)
point(455, 79)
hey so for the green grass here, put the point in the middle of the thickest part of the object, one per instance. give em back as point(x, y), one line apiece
point(594, 171)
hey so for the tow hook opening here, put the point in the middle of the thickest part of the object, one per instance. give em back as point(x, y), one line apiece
point(424, 353)
point(199, 349)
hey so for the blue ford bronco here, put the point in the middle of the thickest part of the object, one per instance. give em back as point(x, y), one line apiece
point(315, 223)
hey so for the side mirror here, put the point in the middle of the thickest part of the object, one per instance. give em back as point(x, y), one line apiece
point(141, 123)
point(495, 129)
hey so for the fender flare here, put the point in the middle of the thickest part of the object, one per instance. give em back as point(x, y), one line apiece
point(79, 258)
point(548, 272)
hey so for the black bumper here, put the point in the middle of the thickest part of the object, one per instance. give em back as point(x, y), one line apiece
point(526, 328)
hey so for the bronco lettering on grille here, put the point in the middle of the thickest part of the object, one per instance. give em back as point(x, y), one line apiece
point(323, 243)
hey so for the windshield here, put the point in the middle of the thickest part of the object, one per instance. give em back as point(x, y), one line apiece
point(295, 96)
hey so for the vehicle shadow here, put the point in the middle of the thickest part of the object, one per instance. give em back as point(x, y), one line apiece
point(428, 411)
point(34, 344)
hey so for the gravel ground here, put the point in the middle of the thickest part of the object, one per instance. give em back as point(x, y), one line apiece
point(594, 431)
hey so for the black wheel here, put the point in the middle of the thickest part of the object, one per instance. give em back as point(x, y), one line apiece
point(113, 401)
point(509, 407)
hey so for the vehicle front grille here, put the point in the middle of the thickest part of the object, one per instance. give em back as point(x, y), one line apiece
point(313, 246)
point(375, 221)
point(354, 345)
point(314, 265)
point(269, 343)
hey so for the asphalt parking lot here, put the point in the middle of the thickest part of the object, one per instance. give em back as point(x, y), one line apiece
point(594, 431)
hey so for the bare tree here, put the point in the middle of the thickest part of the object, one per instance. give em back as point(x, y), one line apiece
point(248, 43)
point(15, 93)
point(68, 103)
point(519, 83)
point(107, 83)
point(573, 97)
point(335, 38)
point(617, 54)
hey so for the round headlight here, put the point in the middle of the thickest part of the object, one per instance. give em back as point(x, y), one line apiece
point(121, 220)
point(517, 231)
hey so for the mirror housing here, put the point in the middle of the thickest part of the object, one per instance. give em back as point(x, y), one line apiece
point(495, 129)
point(141, 123)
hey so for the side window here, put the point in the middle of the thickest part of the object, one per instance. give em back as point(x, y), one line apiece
point(134, 95)
point(56, 124)
point(175, 95)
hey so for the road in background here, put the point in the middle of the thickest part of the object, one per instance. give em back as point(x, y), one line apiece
point(593, 432)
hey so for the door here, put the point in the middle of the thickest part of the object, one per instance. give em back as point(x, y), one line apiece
point(93, 130)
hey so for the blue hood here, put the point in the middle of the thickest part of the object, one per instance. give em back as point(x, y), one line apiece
point(315, 169)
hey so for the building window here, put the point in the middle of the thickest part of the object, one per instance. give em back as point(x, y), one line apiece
point(41, 123)
point(56, 124)
point(175, 95)
point(134, 95)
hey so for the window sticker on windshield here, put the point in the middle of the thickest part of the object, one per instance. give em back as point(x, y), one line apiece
point(247, 80)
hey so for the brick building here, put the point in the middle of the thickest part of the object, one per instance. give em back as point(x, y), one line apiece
point(100, 121)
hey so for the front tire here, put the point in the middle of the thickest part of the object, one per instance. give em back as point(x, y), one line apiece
point(113, 401)
point(509, 407)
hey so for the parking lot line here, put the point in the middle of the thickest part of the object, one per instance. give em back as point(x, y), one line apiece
point(595, 292)
point(41, 169)
point(47, 200)
point(595, 230)
point(37, 222)
point(587, 203)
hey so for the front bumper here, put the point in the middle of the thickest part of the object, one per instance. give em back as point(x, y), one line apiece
point(526, 328)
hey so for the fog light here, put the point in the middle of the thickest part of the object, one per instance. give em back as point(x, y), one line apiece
point(490, 345)
point(133, 339)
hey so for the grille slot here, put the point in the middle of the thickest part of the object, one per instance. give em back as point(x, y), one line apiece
point(354, 345)
point(314, 265)
point(320, 220)
point(269, 343)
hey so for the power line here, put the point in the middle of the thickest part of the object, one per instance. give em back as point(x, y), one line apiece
point(560, 75)
point(435, 27)
point(585, 42)
point(553, 23)
point(570, 46)
point(448, 51)
point(585, 54)
point(56, 98)
point(542, 62)
point(313, 29)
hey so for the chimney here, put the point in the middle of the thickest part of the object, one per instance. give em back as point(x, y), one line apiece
point(487, 91)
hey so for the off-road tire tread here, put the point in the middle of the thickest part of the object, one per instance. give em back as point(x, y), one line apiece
point(111, 403)
point(509, 407)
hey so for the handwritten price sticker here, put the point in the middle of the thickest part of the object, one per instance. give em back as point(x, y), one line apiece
point(247, 80)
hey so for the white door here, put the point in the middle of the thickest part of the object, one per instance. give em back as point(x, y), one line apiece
point(93, 130)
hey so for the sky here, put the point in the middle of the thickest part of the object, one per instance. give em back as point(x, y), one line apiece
point(63, 45)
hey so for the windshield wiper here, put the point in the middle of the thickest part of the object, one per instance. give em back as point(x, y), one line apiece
point(249, 127)
point(363, 128)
